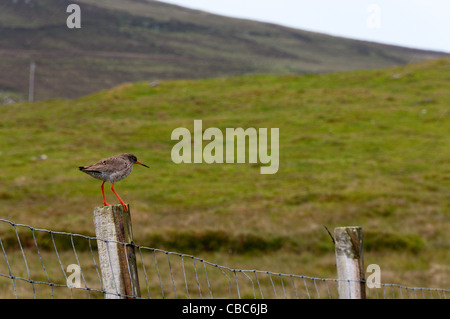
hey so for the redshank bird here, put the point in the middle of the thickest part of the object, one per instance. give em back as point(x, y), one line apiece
point(112, 169)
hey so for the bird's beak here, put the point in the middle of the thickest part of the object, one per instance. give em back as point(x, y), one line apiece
point(137, 162)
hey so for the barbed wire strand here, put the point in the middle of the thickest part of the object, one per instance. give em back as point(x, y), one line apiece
point(207, 279)
point(145, 272)
point(321, 285)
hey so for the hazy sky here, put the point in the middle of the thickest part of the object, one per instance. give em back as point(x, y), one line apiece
point(423, 24)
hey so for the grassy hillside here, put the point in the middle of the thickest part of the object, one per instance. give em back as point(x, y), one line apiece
point(139, 40)
point(365, 148)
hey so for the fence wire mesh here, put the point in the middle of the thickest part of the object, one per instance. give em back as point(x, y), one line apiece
point(40, 263)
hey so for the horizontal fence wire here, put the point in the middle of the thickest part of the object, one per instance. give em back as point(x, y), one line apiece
point(40, 263)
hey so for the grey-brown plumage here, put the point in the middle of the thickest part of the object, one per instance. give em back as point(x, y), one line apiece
point(112, 169)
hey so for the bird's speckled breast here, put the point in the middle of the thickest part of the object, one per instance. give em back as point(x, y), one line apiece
point(98, 175)
point(118, 176)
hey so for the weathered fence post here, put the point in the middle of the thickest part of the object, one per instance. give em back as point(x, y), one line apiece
point(31, 85)
point(350, 262)
point(116, 252)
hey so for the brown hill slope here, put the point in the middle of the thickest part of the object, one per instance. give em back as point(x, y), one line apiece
point(135, 40)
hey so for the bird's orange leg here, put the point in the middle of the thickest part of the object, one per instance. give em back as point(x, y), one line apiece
point(120, 200)
point(104, 198)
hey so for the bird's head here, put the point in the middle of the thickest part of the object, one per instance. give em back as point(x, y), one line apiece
point(134, 160)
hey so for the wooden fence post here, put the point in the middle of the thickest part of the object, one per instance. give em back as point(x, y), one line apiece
point(31, 85)
point(350, 262)
point(117, 261)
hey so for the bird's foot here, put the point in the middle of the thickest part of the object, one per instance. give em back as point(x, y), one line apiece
point(106, 204)
point(125, 206)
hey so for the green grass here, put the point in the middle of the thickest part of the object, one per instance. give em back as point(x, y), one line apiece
point(366, 148)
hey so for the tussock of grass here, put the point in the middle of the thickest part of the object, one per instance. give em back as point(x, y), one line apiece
point(382, 241)
point(210, 240)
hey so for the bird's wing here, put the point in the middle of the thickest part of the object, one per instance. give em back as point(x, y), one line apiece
point(106, 165)
point(88, 169)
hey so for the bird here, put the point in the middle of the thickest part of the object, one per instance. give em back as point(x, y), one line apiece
point(112, 169)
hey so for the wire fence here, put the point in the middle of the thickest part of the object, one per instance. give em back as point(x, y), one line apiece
point(40, 263)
